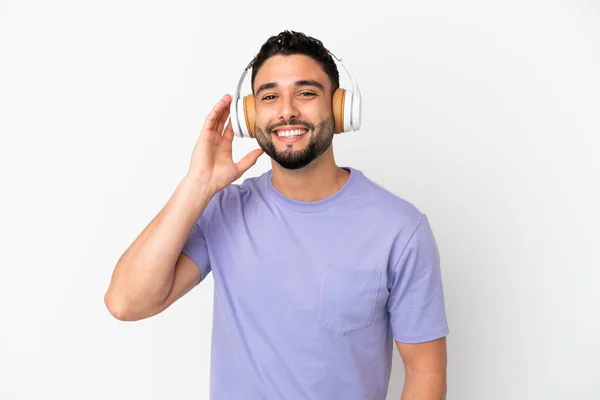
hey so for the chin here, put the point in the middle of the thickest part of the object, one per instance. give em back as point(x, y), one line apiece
point(293, 166)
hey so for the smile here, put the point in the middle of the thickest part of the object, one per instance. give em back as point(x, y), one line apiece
point(290, 132)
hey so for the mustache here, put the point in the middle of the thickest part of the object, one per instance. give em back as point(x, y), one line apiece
point(290, 122)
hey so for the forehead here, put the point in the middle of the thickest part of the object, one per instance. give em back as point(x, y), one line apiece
point(285, 70)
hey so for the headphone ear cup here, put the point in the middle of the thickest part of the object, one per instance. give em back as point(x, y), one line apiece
point(338, 110)
point(233, 113)
point(348, 111)
point(241, 119)
point(249, 113)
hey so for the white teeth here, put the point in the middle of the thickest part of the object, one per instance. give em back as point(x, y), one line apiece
point(291, 133)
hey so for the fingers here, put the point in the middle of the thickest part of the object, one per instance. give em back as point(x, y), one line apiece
point(212, 120)
point(249, 160)
point(228, 134)
point(224, 117)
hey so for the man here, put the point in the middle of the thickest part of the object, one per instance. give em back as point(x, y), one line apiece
point(317, 270)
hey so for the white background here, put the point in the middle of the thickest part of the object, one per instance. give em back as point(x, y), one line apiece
point(483, 114)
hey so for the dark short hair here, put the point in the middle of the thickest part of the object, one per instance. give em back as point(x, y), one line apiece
point(288, 43)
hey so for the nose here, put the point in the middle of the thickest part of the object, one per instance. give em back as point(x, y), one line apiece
point(289, 109)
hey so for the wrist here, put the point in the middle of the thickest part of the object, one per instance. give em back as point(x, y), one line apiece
point(196, 190)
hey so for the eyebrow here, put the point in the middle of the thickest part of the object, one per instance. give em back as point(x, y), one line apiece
point(304, 82)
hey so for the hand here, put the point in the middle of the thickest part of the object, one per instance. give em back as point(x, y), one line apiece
point(212, 163)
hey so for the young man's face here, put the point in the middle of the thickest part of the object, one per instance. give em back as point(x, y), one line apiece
point(294, 118)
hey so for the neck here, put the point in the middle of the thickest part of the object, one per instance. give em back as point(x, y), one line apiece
point(318, 180)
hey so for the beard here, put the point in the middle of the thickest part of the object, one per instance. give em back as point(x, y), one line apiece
point(320, 140)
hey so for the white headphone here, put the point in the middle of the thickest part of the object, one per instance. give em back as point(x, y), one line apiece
point(347, 108)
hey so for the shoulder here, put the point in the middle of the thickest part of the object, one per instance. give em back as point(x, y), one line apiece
point(387, 205)
point(393, 219)
point(241, 191)
point(232, 199)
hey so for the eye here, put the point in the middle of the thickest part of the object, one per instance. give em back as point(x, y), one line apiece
point(269, 97)
point(309, 94)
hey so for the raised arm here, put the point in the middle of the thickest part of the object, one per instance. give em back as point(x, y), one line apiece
point(153, 273)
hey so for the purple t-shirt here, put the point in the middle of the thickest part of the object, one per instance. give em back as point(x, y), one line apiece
point(309, 296)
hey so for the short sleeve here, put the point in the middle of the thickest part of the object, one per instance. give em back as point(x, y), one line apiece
point(196, 249)
point(416, 300)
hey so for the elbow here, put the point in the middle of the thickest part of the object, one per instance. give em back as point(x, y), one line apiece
point(118, 307)
point(124, 309)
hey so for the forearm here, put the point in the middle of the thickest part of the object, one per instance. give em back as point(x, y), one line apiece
point(421, 386)
point(144, 274)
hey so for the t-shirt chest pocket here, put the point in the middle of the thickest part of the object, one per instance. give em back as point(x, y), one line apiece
point(347, 298)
